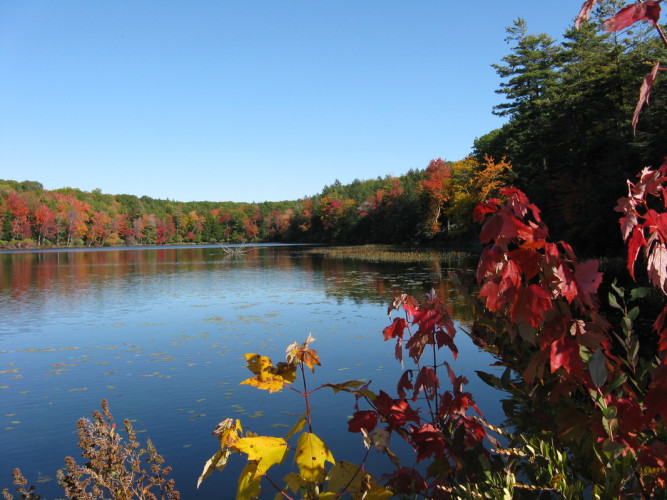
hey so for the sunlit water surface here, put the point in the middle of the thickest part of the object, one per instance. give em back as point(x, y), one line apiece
point(161, 333)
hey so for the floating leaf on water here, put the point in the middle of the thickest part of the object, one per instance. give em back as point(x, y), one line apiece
point(277, 424)
point(24, 392)
point(112, 387)
point(44, 479)
point(4, 387)
point(200, 400)
point(15, 422)
point(342, 369)
point(187, 445)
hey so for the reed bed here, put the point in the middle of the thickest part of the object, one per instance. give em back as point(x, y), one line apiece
point(388, 253)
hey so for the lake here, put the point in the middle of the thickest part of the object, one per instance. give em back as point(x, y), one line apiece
point(161, 333)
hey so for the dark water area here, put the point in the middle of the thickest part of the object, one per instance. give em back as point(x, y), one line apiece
point(161, 334)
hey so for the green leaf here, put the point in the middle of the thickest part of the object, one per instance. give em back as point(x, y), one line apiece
point(609, 412)
point(490, 379)
point(638, 293)
point(626, 325)
point(613, 302)
point(633, 313)
point(617, 382)
point(597, 368)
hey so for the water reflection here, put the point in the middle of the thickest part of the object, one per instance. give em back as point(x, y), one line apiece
point(161, 333)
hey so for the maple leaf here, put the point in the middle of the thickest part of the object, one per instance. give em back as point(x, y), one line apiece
point(657, 267)
point(644, 11)
point(266, 451)
point(474, 432)
point(249, 485)
point(366, 419)
point(267, 376)
point(404, 383)
point(530, 305)
point(428, 441)
point(406, 480)
point(427, 381)
point(588, 279)
point(644, 93)
point(635, 244)
point(311, 457)
point(565, 353)
point(396, 329)
point(585, 12)
point(303, 354)
point(400, 414)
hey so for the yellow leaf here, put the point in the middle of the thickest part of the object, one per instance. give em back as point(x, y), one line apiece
point(217, 461)
point(294, 482)
point(311, 455)
point(228, 432)
point(298, 426)
point(345, 474)
point(267, 376)
point(248, 487)
point(265, 450)
point(328, 494)
point(377, 492)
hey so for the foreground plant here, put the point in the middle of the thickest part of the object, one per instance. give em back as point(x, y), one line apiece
point(117, 469)
point(318, 474)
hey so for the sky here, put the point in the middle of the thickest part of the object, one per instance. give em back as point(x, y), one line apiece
point(248, 101)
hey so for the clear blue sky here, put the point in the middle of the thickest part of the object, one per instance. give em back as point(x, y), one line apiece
point(261, 100)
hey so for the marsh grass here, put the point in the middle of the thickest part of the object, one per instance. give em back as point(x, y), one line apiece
point(389, 253)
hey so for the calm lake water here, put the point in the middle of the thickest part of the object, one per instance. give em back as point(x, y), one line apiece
point(161, 333)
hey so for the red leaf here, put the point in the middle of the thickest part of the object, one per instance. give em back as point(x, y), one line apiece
point(427, 381)
point(565, 353)
point(585, 12)
point(406, 480)
point(474, 432)
point(366, 419)
point(635, 244)
point(588, 280)
point(428, 441)
point(644, 93)
point(396, 329)
point(530, 305)
point(400, 414)
point(405, 383)
point(646, 11)
point(383, 402)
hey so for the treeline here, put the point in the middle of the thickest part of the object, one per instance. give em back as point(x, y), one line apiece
point(569, 136)
point(568, 139)
point(430, 204)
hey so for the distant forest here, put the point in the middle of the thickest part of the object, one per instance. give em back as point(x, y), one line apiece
point(568, 144)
